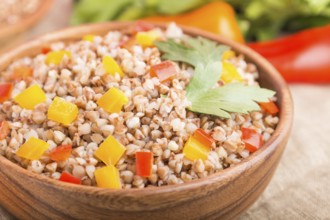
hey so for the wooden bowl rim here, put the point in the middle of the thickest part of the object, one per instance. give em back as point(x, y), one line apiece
point(26, 22)
point(280, 134)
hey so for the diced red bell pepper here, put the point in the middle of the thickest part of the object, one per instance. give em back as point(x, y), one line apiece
point(144, 162)
point(5, 91)
point(269, 107)
point(45, 50)
point(252, 139)
point(22, 73)
point(67, 177)
point(4, 129)
point(141, 26)
point(61, 153)
point(165, 71)
point(203, 137)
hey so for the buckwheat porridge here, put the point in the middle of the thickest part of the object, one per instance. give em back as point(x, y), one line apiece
point(141, 108)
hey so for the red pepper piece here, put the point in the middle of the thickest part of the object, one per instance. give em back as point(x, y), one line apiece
point(144, 162)
point(141, 26)
point(252, 139)
point(5, 91)
point(45, 50)
point(22, 73)
point(301, 57)
point(204, 138)
point(269, 107)
point(67, 177)
point(61, 153)
point(4, 129)
point(165, 71)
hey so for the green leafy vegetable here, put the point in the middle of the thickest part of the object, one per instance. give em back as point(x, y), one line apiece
point(202, 92)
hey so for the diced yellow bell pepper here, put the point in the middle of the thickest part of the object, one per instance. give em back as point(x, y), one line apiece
point(32, 149)
point(111, 66)
point(229, 73)
point(56, 57)
point(62, 111)
point(228, 54)
point(113, 100)
point(110, 151)
point(108, 177)
point(194, 150)
point(89, 37)
point(31, 97)
point(147, 39)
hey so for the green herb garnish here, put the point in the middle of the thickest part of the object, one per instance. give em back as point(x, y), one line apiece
point(202, 92)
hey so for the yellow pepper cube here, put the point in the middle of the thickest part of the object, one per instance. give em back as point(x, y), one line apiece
point(111, 66)
point(110, 151)
point(113, 100)
point(56, 57)
point(89, 37)
point(147, 39)
point(32, 149)
point(31, 97)
point(228, 54)
point(62, 111)
point(229, 73)
point(108, 177)
point(194, 150)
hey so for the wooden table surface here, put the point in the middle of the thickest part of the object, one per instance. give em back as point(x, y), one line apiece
point(300, 188)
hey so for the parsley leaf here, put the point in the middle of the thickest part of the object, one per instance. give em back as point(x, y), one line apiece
point(205, 56)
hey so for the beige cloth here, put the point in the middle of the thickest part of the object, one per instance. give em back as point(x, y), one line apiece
point(300, 188)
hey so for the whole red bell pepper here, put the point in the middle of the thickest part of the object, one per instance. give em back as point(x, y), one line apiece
point(301, 57)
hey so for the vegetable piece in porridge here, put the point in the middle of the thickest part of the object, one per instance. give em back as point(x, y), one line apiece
point(62, 111)
point(56, 57)
point(113, 100)
point(203, 137)
point(32, 149)
point(165, 71)
point(229, 73)
point(108, 177)
point(269, 107)
point(111, 66)
point(31, 97)
point(67, 177)
point(4, 129)
point(110, 151)
point(194, 149)
point(147, 39)
point(252, 139)
point(61, 153)
point(143, 163)
point(5, 91)
point(89, 37)
point(21, 73)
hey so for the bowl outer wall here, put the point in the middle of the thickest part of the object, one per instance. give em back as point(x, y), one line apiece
point(222, 195)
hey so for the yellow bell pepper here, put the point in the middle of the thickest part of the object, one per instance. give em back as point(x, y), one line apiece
point(31, 97)
point(194, 149)
point(147, 39)
point(108, 177)
point(110, 151)
point(62, 111)
point(89, 37)
point(229, 73)
point(111, 66)
point(32, 149)
point(228, 54)
point(56, 57)
point(113, 100)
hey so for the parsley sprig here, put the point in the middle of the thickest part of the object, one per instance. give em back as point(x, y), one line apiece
point(205, 56)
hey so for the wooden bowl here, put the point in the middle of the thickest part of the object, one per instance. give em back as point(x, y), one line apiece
point(8, 31)
point(225, 194)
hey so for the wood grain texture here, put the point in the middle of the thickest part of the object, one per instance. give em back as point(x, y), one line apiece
point(222, 195)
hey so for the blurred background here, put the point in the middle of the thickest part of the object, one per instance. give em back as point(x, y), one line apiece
point(294, 35)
